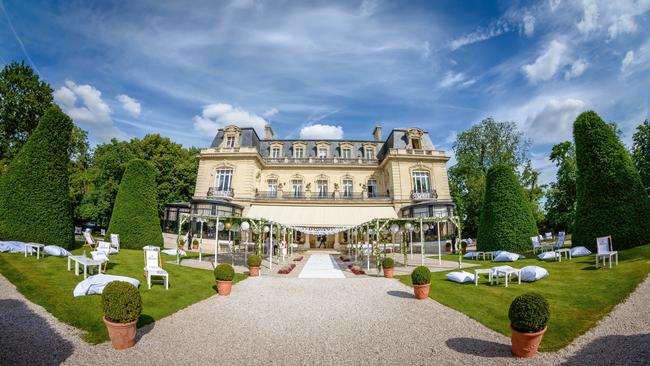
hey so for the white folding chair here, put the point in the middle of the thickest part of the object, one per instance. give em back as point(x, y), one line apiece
point(101, 253)
point(115, 242)
point(153, 266)
point(548, 236)
point(536, 244)
point(90, 241)
point(604, 251)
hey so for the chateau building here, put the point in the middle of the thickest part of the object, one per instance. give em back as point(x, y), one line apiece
point(321, 183)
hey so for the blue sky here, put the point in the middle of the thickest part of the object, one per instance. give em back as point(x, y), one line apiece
point(326, 69)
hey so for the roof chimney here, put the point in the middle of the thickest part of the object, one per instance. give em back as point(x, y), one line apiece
point(377, 133)
point(268, 132)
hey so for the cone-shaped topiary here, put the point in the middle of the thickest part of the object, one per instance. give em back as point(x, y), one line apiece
point(135, 213)
point(610, 199)
point(506, 222)
point(34, 203)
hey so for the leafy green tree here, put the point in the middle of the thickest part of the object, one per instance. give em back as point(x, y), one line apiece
point(477, 149)
point(507, 223)
point(34, 192)
point(611, 199)
point(135, 215)
point(641, 152)
point(24, 98)
point(533, 192)
point(561, 196)
point(78, 168)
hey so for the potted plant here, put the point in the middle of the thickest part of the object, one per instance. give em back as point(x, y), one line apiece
point(223, 274)
point(529, 314)
point(388, 265)
point(421, 278)
point(195, 244)
point(122, 305)
point(254, 262)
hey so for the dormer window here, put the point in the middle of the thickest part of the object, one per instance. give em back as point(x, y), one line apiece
point(275, 153)
point(370, 153)
point(300, 152)
point(230, 141)
point(322, 153)
point(416, 144)
point(346, 153)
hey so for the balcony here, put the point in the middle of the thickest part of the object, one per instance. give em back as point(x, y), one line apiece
point(422, 196)
point(213, 192)
point(300, 196)
point(317, 160)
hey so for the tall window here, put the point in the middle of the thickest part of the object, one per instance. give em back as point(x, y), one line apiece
point(372, 188)
point(272, 185)
point(416, 144)
point(322, 153)
point(347, 154)
point(275, 152)
point(421, 182)
point(224, 180)
point(347, 188)
point(296, 185)
point(230, 141)
point(299, 152)
point(370, 154)
point(322, 187)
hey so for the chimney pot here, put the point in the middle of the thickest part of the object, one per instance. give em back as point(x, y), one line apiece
point(268, 132)
point(377, 133)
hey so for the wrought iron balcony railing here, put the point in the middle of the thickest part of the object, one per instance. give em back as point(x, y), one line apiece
point(213, 192)
point(424, 195)
point(317, 160)
point(271, 195)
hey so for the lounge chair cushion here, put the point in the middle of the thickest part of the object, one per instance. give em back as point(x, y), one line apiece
point(95, 284)
point(580, 252)
point(471, 255)
point(548, 255)
point(56, 251)
point(14, 247)
point(99, 256)
point(533, 273)
point(150, 247)
point(173, 252)
point(504, 256)
point(495, 269)
point(460, 277)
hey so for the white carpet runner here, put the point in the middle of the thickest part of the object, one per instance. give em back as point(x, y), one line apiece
point(321, 266)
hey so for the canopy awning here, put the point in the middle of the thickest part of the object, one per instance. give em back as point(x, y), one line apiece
point(321, 216)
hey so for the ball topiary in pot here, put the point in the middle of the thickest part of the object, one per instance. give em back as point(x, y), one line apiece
point(254, 263)
point(121, 305)
point(529, 314)
point(388, 264)
point(421, 278)
point(223, 274)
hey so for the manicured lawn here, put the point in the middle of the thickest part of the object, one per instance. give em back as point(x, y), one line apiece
point(579, 294)
point(48, 283)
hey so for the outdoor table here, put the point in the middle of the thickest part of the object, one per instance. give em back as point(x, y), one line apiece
point(36, 246)
point(477, 272)
point(85, 262)
point(566, 251)
point(486, 254)
point(508, 273)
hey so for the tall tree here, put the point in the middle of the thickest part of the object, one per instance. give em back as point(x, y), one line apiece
point(477, 149)
point(611, 199)
point(561, 196)
point(533, 192)
point(24, 98)
point(641, 152)
point(78, 168)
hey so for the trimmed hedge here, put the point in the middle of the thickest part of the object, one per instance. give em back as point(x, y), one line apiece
point(421, 275)
point(121, 302)
point(34, 197)
point(135, 213)
point(610, 196)
point(224, 272)
point(507, 222)
point(388, 262)
point(254, 260)
point(529, 313)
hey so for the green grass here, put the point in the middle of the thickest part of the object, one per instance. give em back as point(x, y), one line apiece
point(579, 294)
point(48, 283)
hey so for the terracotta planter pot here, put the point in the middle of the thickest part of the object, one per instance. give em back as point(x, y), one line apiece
point(223, 287)
point(255, 271)
point(525, 344)
point(421, 291)
point(122, 334)
point(388, 272)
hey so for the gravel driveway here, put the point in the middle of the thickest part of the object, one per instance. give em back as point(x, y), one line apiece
point(293, 321)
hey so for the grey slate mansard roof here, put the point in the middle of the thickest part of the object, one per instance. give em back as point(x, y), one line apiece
point(395, 140)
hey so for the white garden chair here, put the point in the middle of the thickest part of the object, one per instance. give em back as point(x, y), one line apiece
point(115, 242)
point(537, 244)
point(101, 253)
point(548, 236)
point(604, 248)
point(90, 241)
point(560, 240)
point(153, 266)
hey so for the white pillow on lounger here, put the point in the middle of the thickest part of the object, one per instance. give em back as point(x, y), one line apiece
point(533, 273)
point(506, 257)
point(548, 255)
point(56, 251)
point(460, 277)
point(580, 252)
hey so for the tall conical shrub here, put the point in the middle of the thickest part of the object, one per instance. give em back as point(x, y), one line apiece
point(34, 203)
point(610, 199)
point(135, 213)
point(506, 221)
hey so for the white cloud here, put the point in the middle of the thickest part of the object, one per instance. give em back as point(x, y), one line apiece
point(368, 7)
point(93, 115)
point(319, 131)
point(271, 112)
point(622, 25)
point(553, 4)
point(589, 21)
point(577, 68)
point(218, 115)
point(627, 60)
point(529, 24)
point(546, 65)
point(459, 79)
point(129, 104)
point(553, 122)
point(494, 30)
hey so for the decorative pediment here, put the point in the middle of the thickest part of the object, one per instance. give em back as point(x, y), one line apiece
point(230, 137)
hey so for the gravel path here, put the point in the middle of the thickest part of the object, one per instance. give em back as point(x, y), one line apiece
point(312, 321)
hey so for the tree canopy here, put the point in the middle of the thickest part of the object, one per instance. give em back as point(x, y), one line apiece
point(641, 152)
point(561, 196)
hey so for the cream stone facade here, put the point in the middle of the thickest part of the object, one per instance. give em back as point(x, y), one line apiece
point(322, 183)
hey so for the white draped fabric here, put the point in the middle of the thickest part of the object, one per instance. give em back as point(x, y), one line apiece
point(321, 217)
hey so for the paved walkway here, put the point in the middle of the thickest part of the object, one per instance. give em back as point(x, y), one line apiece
point(321, 266)
point(292, 321)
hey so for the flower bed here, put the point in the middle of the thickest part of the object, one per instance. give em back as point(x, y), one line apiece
point(299, 258)
point(356, 269)
point(287, 269)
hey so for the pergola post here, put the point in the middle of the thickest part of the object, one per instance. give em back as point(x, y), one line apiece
point(439, 250)
point(201, 239)
point(421, 243)
point(271, 247)
point(216, 247)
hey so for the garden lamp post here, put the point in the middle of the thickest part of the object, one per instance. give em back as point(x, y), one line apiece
point(244, 228)
point(408, 226)
point(266, 230)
